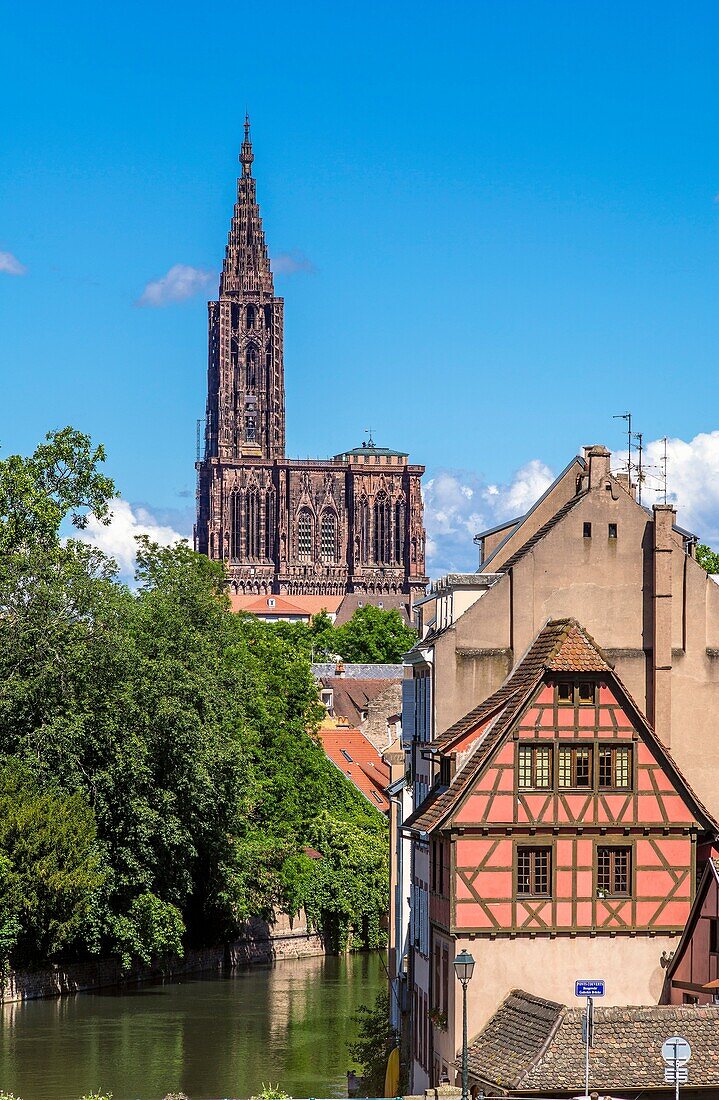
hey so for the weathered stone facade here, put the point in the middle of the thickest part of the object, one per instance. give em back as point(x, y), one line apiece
point(351, 524)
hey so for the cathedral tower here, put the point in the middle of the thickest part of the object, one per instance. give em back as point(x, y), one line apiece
point(246, 386)
point(350, 526)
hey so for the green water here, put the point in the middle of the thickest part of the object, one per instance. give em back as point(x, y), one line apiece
point(207, 1036)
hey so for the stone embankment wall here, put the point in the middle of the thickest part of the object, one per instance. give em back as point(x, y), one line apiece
point(260, 942)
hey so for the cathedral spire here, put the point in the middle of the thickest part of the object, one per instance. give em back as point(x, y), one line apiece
point(246, 155)
point(247, 264)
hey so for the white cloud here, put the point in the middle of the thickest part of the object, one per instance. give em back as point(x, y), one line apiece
point(459, 503)
point(181, 281)
point(10, 265)
point(117, 539)
point(692, 480)
point(290, 263)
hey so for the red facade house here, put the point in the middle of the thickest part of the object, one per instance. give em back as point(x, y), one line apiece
point(562, 839)
point(693, 973)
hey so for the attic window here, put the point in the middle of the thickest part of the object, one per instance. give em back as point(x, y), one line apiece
point(565, 694)
point(612, 530)
point(585, 693)
point(587, 530)
point(347, 756)
point(270, 603)
point(377, 798)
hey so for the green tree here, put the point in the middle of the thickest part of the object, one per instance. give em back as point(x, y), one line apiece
point(50, 865)
point(348, 892)
point(60, 478)
point(374, 635)
point(375, 1041)
point(708, 558)
point(183, 733)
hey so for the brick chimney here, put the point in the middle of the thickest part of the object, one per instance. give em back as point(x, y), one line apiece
point(598, 458)
point(340, 668)
point(661, 709)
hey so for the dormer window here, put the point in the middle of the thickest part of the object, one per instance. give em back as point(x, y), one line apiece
point(565, 694)
point(582, 693)
point(585, 693)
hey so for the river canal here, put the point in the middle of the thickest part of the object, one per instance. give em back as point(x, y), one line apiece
point(207, 1036)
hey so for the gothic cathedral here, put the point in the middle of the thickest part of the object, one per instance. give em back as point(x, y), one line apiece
point(347, 526)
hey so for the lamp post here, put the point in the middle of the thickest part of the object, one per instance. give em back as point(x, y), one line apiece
point(463, 969)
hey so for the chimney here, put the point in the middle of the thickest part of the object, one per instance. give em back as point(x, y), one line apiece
point(598, 458)
point(340, 668)
point(661, 695)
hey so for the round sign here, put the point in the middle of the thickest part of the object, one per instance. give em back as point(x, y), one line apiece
point(676, 1049)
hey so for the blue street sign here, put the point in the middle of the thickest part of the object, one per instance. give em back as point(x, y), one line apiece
point(589, 988)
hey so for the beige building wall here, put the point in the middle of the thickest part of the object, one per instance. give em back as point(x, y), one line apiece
point(645, 600)
point(549, 967)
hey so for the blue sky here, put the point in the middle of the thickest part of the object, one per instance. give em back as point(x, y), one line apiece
point(508, 211)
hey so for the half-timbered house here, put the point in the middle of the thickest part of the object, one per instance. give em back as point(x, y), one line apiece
point(562, 840)
point(693, 970)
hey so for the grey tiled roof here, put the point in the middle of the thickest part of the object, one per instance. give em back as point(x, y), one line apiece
point(360, 672)
point(536, 1046)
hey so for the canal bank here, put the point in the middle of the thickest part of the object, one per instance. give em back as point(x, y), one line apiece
point(213, 1035)
point(260, 943)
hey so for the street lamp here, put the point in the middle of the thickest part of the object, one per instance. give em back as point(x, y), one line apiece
point(463, 969)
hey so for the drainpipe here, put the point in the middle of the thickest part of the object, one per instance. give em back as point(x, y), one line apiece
point(661, 709)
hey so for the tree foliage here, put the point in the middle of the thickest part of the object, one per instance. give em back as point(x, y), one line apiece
point(373, 635)
point(160, 748)
point(375, 1041)
point(708, 558)
point(61, 478)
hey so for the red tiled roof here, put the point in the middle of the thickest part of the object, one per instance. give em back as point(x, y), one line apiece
point(285, 605)
point(358, 759)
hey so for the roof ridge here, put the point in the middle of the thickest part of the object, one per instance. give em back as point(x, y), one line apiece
point(541, 532)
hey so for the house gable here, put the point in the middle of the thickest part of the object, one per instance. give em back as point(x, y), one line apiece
point(566, 814)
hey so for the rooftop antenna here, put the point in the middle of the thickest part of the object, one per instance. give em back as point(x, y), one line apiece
point(628, 417)
point(664, 468)
point(640, 466)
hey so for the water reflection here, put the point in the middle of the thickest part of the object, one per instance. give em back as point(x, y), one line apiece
point(206, 1036)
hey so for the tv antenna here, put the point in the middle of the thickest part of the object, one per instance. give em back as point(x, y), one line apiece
point(628, 417)
point(639, 436)
point(664, 462)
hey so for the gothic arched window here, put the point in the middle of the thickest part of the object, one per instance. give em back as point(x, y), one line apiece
point(382, 529)
point(364, 529)
point(399, 532)
point(328, 538)
point(251, 369)
point(250, 317)
point(304, 535)
point(252, 523)
point(235, 525)
point(250, 427)
point(269, 525)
